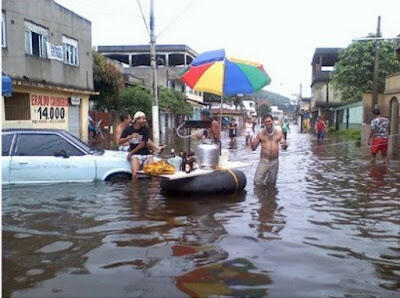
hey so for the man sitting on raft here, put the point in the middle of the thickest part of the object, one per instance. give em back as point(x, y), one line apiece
point(140, 143)
point(270, 137)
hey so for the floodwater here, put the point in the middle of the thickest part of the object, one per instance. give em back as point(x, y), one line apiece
point(331, 228)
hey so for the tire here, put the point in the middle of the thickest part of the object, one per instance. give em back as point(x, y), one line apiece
point(218, 182)
point(119, 177)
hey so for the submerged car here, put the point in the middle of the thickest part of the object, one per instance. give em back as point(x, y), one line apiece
point(53, 156)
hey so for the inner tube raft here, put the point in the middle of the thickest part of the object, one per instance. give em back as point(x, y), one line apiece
point(221, 182)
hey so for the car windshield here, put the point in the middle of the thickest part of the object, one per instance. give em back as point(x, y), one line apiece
point(82, 144)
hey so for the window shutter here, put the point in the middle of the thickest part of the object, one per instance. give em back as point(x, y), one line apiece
point(43, 40)
point(28, 42)
point(65, 53)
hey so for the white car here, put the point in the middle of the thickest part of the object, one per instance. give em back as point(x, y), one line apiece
point(53, 156)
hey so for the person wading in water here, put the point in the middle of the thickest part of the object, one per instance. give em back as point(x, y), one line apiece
point(379, 137)
point(213, 132)
point(270, 137)
point(232, 133)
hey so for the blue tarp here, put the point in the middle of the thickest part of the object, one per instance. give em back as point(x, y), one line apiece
point(6, 85)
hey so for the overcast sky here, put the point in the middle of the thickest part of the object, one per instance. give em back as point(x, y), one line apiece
point(282, 34)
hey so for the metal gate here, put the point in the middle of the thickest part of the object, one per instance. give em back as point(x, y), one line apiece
point(74, 124)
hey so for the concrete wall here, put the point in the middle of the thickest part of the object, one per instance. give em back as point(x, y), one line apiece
point(356, 114)
point(318, 93)
point(392, 90)
point(59, 21)
point(392, 83)
point(355, 117)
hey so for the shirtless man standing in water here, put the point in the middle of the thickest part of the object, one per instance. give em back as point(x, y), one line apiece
point(270, 137)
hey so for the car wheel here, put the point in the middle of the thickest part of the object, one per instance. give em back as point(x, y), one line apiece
point(119, 177)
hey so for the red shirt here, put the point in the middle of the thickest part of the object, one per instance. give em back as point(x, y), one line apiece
point(320, 125)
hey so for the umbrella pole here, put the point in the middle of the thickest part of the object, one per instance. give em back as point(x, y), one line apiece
point(220, 124)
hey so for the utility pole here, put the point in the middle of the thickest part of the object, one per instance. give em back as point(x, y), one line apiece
point(153, 63)
point(301, 91)
point(375, 81)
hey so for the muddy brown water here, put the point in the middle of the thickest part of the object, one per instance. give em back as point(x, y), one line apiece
point(331, 228)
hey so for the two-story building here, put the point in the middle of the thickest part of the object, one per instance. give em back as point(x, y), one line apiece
point(46, 51)
point(171, 61)
point(323, 95)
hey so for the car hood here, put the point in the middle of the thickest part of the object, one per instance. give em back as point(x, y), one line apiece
point(115, 154)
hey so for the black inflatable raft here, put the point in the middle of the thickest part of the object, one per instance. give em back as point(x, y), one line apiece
point(223, 181)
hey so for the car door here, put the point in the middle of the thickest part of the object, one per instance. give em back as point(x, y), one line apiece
point(49, 157)
point(6, 145)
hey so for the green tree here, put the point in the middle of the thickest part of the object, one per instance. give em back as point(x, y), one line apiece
point(263, 110)
point(237, 101)
point(353, 72)
point(107, 80)
point(133, 99)
point(174, 102)
point(210, 98)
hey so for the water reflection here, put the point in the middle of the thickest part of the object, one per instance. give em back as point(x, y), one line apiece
point(232, 278)
point(329, 228)
point(270, 219)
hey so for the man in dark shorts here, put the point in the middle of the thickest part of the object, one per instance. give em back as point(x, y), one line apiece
point(139, 154)
point(232, 133)
point(379, 137)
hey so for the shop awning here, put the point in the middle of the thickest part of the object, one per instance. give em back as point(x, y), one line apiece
point(6, 85)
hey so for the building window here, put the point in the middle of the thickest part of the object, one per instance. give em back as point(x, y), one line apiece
point(71, 54)
point(35, 40)
point(3, 30)
point(17, 107)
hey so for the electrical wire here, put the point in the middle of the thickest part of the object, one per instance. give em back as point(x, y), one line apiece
point(174, 20)
point(144, 18)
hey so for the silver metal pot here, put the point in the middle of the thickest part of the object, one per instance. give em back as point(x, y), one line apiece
point(207, 155)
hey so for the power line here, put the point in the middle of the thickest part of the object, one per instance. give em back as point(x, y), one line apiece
point(175, 19)
point(144, 18)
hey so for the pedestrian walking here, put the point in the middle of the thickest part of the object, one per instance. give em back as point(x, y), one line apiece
point(285, 128)
point(270, 138)
point(320, 128)
point(232, 133)
point(248, 131)
point(379, 137)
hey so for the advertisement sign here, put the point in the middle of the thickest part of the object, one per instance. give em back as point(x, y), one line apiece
point(49, 111)
point(55, 52)
point(75, 101)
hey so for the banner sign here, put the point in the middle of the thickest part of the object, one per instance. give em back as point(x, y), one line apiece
point(49, 111)
point(55, 52)
point(75, 101)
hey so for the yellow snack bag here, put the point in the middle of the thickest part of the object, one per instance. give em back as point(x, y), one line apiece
point(159, 168)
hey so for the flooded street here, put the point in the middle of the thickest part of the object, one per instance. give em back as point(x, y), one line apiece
point(331, 228)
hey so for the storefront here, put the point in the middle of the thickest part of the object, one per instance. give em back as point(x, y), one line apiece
point(35, 105)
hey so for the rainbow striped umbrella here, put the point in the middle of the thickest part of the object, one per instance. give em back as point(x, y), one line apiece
point(215, 73)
